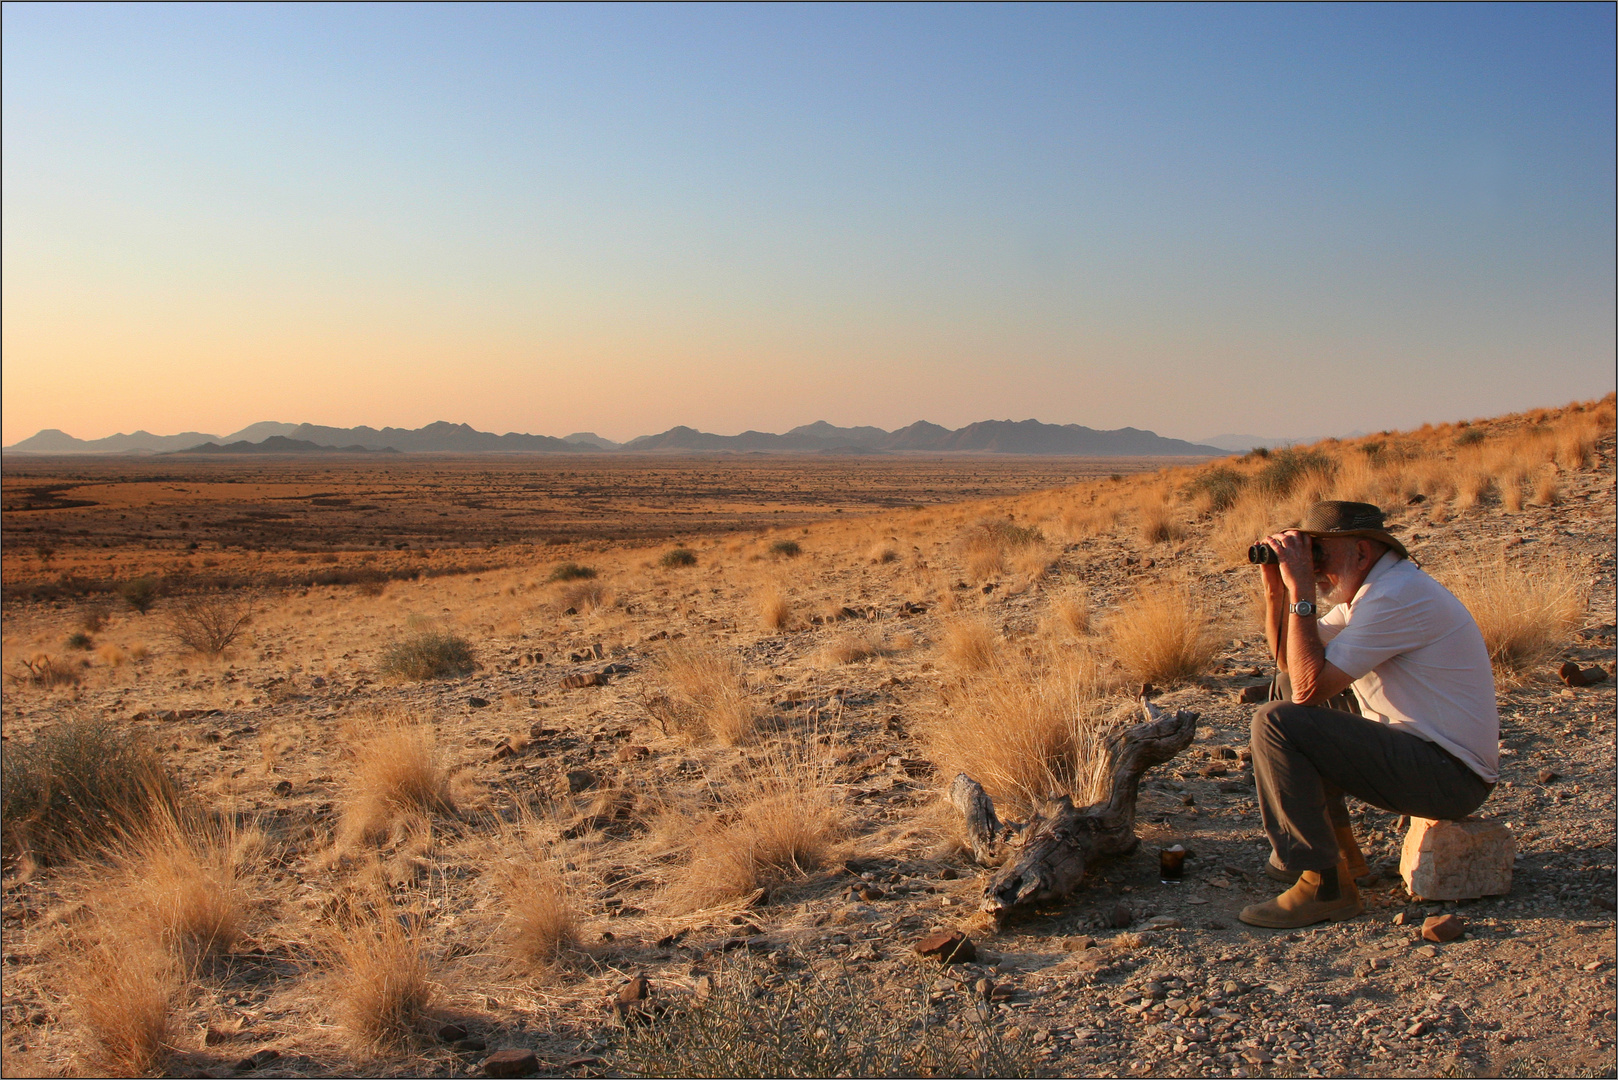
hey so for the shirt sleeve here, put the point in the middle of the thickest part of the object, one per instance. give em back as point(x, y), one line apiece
point(1382, 628)
point(1331, 624)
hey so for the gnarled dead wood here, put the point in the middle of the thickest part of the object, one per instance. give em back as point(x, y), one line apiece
point(1046, 858)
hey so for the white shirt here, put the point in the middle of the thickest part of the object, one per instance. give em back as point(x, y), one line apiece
point(1418, 662)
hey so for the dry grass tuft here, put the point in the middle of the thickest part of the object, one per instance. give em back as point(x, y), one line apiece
point(47, 671)
point(123, 992)
point(1069, 614)
point(774, 610)
point(785, 825)
point(182, 871)
point(1024, 733)
point(1163, 635)
point(540, 924)
point(1525, 615)
point(377, 973)
point(882, 551)
point(971, 645)
point(1160, 523)
point(428, 654)
point(709, 693)
point(398, 774)
point(583, 596)
point(851, 647)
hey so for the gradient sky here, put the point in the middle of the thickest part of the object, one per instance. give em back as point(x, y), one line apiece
point(1196, 219)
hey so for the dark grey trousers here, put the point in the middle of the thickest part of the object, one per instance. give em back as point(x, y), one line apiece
point(1305, 758)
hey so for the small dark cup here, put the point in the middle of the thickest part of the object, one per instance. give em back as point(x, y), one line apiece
point(1171, 864)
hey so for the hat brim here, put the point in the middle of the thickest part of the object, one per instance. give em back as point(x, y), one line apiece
point(1370, 534)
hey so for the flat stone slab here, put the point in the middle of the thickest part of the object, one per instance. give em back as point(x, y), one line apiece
point(1457, 860)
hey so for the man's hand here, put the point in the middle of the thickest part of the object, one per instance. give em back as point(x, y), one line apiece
point(1297, 566)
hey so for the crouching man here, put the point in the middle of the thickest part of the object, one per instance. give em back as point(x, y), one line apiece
point(1419, 734)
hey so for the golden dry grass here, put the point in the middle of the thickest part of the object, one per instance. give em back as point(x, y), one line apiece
point(970, 644)
point(397, 774)
point(123, 992)
point(710, 690)
point(774, 609)
point(1023, 731)
point(377, 975)
point(852, 646)
point(1525, 615)
point(1068, 614)
point(1165, 634)
point(540, 921)
point(182, 873)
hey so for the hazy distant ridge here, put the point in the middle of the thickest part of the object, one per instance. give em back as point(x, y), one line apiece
point(984, 437)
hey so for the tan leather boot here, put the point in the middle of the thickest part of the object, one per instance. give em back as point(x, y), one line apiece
point(1352, 867)
point(1301, 906)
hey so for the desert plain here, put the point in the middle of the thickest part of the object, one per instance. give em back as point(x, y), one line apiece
point(639, 764)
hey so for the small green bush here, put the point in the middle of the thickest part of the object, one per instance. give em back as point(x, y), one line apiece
point(139, 593)
point(1288, 468)
point(75, 787)
point(429, 654)
point(571, 571)
point(678, 557)
point(786, 549)
point(1470, 436)
point(755, 1021)
point(1220, 486)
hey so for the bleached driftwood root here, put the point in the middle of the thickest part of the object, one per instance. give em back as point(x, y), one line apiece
point(1045, 859)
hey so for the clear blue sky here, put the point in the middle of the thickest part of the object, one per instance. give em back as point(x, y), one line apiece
point(1197, 219)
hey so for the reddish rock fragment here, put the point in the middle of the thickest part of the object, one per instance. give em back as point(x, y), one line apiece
point(511, 1063)
point(948, 947)
point(1443, 928)
point(576, 682)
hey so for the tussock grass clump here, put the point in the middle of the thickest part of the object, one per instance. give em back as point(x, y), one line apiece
point(1163, 635)
point(540, 924)
point(571, 571)
point(76, 787)
point(583, 596)
point(847, 1024)
point(882, 551)
point(182, 872)
point(786, 549)
point(987, 544)
point(209, 624)
point(1287, 469)
point(428, 654)
point(1213, 491)
point(774, 609)
point(785, 825)
point(1525, 614)
point(971, 644)
point(1024, 731)
point(852, 647)
point(81, 641)
point(1160, 523)
point(378, 977)
point(398, 774)
point(675, 558)
point(709, 694)
point(140, 593)
point(123, 992)
point(1069, 614)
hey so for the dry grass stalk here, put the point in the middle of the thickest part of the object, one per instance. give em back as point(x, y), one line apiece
point(540, 924)
point(710, 689)
point(398, 773)
point(774, 610)
point(1069, 614)
point(123, 991)
point(1525, 614)
point(1163, 635)
point(1024, 733)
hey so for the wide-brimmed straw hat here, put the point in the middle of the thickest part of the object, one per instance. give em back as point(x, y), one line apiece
point(1334, 518)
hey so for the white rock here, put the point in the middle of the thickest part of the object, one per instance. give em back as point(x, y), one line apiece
point(1457, 860)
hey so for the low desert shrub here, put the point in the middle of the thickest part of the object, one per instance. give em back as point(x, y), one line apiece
point(571, 571)
point(583, 596)
point(708, 693)
point(209, 623)
point(1525, 614)
point(81, 641)
point(1288, 468)
point(77, 786)
point(45, 670)
point(675, 558)
point(140, 593)
point(428, 654)
point(882, 551)
point(786, 549)
point(838, 1024)
point(1160, 523)
point(1214, 490)
point(398, 773)
point(1163, 635)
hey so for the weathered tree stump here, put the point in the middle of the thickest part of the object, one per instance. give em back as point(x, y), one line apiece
point(1045, 858)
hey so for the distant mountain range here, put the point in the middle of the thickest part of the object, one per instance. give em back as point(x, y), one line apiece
point(984, 437)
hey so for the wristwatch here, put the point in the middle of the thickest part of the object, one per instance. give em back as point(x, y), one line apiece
point(1305, 608)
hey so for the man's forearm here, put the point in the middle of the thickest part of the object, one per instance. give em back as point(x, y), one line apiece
point(1306, 659)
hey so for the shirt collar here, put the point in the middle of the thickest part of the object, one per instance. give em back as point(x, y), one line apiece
point(1387, 562)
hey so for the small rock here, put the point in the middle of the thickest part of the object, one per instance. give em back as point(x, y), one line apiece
point(283, 787)
point(633, 753)
point(1443, 928)
point(1548, 776)
point(1574, 675)
point(470, 1046)
point(1401, 918)
point(511, 1063)
point(1429, 951)
point(577, 682)
point(631, 994)
point(1254, 695)
point(577, 780)
point(257, 1060)
point(1121, 916)
point(1457, 860)
point(1162, 922)
point(1081, 943)
point(451, 1033)
point(948, 947)
point(317, 682)
point(478, 702)
point(1416, 500)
